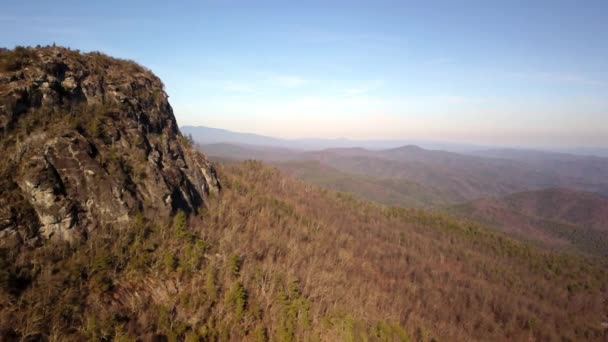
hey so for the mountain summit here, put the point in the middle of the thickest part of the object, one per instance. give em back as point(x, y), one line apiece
point(88, 140)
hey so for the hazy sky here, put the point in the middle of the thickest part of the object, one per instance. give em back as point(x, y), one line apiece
point(501, 72)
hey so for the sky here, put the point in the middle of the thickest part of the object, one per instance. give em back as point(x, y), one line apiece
point(516, 73)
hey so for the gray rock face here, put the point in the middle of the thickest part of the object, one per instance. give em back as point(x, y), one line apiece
point(88, 140)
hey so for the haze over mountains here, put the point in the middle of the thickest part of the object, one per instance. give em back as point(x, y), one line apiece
point(460, 176)
point(208, 135)
point(476, 184)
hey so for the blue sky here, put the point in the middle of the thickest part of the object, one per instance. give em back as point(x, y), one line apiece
point(498, 72)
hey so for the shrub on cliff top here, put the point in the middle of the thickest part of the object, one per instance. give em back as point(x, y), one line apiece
point(11, 60)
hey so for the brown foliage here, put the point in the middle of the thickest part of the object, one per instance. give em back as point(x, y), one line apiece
point(273, 258)
point(11, 60)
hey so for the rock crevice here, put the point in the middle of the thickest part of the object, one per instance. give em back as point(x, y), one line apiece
point(90, 140)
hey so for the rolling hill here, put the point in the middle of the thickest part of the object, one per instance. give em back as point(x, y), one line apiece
point(510, 190)
point(208, 135)
point(250, 152)
point(395, 192)
point(457, 177)
point(556, 217)
point(114, 228)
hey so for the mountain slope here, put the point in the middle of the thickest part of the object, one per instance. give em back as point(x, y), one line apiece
point(395, 192)
point(558, 217)
point(398, 192)
point(468, 177)
point(208, 135)
point(264, 258)
point(457, 177)
point(276, 258)
point(249, 152)
point(573, 207)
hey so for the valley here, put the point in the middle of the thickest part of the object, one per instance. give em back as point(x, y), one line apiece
point(481, 186)
point(114, 226)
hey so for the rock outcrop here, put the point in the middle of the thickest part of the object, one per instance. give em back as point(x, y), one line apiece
point(88, 140)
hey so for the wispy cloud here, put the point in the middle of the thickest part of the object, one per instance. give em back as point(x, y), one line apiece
point(257, 84)
point(35, 19)
point(57, 26)
point(320, 36)
point(60, 31)
point(560, 77)
point(288, 81)
point(437, 61)
point(58, 19)
point(371, 86)
point(237, 87)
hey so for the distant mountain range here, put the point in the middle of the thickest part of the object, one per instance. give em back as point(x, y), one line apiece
point(208, 135)
point(456, 177)
point(557, 199)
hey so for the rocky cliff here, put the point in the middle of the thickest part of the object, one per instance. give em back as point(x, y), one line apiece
point(88, 140)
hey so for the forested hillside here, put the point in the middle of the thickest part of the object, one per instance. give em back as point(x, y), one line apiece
point(562, 219)
point(273, 258)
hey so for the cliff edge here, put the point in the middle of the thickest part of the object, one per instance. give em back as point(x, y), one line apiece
point(88, 140)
